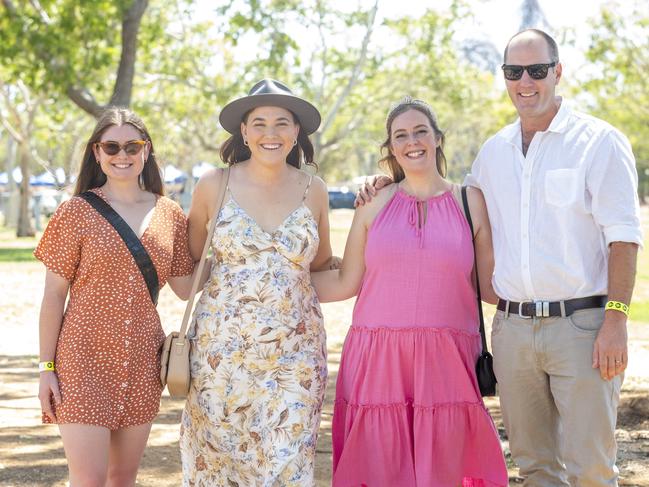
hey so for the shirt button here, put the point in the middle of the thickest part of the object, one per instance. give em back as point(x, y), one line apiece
point(130, 278)
point(126, 342)
point(120, 407)
point(125, 364)
point(124, 384)
point(127, 322)
point(128, 300)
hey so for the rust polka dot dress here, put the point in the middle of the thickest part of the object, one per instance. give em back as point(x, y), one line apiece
point(107, 355)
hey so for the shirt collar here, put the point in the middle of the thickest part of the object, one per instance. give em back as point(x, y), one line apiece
point(559, 124)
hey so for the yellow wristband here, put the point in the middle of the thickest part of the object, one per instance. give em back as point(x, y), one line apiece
point(46, 367)
point(618, 306)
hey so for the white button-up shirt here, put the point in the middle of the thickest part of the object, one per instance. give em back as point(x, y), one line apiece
point(554, 211)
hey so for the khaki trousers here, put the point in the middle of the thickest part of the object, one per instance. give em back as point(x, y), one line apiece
point(559, 414)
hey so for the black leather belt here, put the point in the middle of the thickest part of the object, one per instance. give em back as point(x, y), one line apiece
point(541, 309)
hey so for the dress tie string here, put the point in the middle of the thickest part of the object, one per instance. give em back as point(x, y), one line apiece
point(414, 219)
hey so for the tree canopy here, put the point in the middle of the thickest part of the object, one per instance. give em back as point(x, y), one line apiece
point(177, 62)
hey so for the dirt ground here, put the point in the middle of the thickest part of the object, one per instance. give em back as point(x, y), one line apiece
point(31, 454)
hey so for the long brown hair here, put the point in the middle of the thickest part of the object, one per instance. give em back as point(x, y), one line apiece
point(388, 161)
point(233, 150)
point(90, 174)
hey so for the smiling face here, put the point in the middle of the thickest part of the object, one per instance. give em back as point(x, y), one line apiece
point(122, 166)
point(413, 141)
point(533, 98)
point(271, 133)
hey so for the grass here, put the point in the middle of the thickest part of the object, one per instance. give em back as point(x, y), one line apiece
point(16, 254)
point(639, 311)
point(14, 249)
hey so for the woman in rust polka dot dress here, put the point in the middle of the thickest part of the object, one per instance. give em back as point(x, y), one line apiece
point(105, 388)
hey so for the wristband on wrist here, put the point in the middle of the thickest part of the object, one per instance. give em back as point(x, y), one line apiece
point(617, 306)
point(46, 367)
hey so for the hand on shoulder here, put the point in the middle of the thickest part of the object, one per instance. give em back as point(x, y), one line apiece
point(369, 189)
point(371, 208)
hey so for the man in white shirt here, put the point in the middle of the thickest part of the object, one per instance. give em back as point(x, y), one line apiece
point(560, 188)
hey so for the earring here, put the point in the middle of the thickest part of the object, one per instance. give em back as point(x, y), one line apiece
point(245, 142)
point(294, 142)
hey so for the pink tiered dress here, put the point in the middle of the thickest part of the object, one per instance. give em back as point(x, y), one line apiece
point(408, 410)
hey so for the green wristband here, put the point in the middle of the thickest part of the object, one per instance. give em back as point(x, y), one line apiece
point(46, 367)
point(617, 306)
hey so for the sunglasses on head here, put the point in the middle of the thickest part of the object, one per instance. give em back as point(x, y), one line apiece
point(132, 147)
point(514, 72)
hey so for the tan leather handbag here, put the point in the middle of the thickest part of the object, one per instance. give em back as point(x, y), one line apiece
point(175, 370)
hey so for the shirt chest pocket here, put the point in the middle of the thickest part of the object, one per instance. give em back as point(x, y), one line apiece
point(562, 187)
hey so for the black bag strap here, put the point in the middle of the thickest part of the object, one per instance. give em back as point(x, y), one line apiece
point(134, 245)
point(467, 213)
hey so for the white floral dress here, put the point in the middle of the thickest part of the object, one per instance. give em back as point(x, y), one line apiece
point(258, 359)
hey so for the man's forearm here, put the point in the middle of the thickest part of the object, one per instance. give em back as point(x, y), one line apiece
point(621, 271)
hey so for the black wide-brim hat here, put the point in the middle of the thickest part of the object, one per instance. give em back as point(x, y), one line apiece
point(270, 93)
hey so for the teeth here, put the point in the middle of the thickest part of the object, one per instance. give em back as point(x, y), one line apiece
point(414, 154)
point(122, 166)
point(526, 95)
point(271, 146)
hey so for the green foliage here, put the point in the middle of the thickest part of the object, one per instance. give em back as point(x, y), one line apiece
point(65, 43)
point(190, 65)
point(618, 90)
point(421, 61)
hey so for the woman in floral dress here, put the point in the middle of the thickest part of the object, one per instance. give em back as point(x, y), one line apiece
point(258, 359)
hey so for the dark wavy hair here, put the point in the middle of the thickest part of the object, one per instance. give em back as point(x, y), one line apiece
point(233, 150)
point(90, 174)
point(388, 161)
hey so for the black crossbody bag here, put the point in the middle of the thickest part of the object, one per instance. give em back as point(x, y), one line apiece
point(135, 247)
point(484, 368)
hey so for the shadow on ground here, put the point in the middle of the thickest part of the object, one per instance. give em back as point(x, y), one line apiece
point(31, 454)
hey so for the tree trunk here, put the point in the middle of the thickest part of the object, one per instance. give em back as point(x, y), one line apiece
point(123, 88)
point(126, 71)
point(25, 227)
point(11, 192)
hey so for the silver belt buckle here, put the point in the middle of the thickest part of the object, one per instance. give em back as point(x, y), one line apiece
point(542, 308)
point(520, 309)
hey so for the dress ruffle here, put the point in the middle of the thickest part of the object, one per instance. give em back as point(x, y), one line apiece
point(409, 413)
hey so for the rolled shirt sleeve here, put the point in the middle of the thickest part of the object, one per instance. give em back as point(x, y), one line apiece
point(612, 181)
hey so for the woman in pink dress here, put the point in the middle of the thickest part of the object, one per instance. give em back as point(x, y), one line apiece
point(408, 410)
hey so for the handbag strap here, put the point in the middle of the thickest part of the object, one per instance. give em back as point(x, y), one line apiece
point(134, 245)
point(467, 214)
point(201, 263)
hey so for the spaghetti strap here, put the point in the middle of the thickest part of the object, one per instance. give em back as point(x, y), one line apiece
point(306, 191)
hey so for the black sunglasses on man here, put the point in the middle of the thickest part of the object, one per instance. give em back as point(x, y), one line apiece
point(514, 72)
